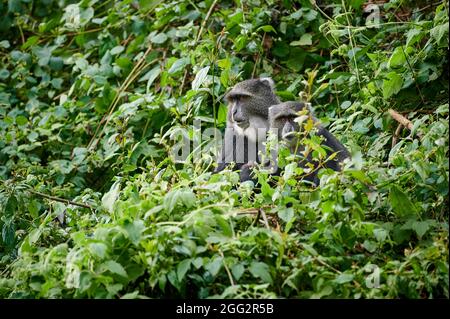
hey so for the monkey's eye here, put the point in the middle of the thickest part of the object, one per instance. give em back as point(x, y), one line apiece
point(240, 98)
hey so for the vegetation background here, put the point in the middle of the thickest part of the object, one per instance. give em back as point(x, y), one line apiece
point(93, 205)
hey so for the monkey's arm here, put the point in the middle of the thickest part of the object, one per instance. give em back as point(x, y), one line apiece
point(336, 146)
point(246, 173)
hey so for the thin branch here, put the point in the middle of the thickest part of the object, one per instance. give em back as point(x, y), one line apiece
point(59, 199)
point(204, 21)
point(396, 135)
point(401, 119)
point(413, 74)
point(226, 268)
point(263, 214)
point(21, 34)
point(258, 215)
point(202, 27)
point(137, 69)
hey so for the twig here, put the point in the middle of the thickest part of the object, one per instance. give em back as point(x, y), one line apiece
point(202, 27)
point(59, 199)
point(84, 32)
point(396, 135)
point(132, 75)
point(263, 214)
point(206, 20)
point(334, 269)
point(413, 74)
point(226, 268)
point(258, 59)
point(401, 119)
point(21, 34)
point(258, 215)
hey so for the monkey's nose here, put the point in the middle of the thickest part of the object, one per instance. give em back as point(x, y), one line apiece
point(238, 118)
point(289, 136)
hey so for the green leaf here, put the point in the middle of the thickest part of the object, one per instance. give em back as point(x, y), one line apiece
point(98, 249)
point(115, 268)
point(345, 105)
point(344, 278)
point(260, 270)
point(117, 50)
point(306, 39)
point(267, 28)
point(400, 202)
point(397, 58)
point(62, 166)
point(21, 120)
point(325, 291)
point(380, 234)
point(159, 38)
point(43, 54)
point(56, 63)
point(179, 65)
point(8, 234)
point(145, 5)
point(183, 268)
point(286, 214)
point(289, 171)
point(392, 85)
point(356, 4)
point(33, 207)
point(11, 206)
point(237, 270)
point(439, 33)
point(310, 249)
point(421, 227)
point(310, 15)
point(200, 78)
point(281, 49)
point(151, 76)
point(421, 169)
point(131, 295)
point(370, 245)
point(412, 36)
point(224, 225)
point(214, 266)
point(110, 197)
point(135, 230)
point(5, 43)
point(4, 74)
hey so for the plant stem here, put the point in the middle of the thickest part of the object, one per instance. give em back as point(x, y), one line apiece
point(59, 199)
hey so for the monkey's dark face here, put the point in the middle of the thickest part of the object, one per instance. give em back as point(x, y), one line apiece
point(238, 113)
point(287, 129)
point(249, 102)
point(282, 119)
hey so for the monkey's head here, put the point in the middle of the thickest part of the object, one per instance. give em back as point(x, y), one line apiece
point(249, 102)
point(282, 120)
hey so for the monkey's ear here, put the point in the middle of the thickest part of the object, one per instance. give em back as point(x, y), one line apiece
point(269, 82)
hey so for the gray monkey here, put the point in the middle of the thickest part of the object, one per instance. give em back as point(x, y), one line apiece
point(247, 124)
point(281, 121)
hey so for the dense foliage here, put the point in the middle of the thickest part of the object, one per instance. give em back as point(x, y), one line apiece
point(91, 93)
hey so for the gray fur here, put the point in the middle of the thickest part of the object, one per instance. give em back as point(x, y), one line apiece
point(248, 110)
point(281, 121)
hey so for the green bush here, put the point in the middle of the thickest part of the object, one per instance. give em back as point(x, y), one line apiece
point(93, 203)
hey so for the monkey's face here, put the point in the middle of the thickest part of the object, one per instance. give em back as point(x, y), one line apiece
point(238, 113)
point(248, 103)
point(282, 121)
point(287, 129)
